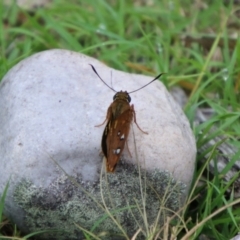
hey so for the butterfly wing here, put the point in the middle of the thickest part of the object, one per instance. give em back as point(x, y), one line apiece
point(114, 137)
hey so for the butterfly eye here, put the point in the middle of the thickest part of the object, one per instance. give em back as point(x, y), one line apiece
point(129, 98)
point(114, 97)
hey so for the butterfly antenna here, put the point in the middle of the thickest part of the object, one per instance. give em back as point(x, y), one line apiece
point(101, 78)
point(149, 82)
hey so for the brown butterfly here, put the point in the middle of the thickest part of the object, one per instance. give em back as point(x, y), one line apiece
point(119, 116)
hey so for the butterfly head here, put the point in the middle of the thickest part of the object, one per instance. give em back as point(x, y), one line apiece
point(122, 96)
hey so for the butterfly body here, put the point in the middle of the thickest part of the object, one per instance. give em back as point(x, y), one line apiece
point(119, 116)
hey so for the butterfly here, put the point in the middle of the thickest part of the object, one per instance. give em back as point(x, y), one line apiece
point(120, 115)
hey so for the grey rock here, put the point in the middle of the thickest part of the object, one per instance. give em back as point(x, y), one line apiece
point(29, 4)
point(237, 237)
point(50, 104)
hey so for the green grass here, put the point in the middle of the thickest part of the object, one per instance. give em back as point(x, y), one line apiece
point(149, 39)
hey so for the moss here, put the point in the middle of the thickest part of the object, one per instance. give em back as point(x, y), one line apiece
point(63, 204)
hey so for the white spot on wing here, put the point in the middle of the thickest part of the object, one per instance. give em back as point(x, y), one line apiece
point(116, 151)
point(122, 137)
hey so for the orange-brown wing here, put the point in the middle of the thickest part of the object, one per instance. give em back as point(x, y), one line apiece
point(114, 137)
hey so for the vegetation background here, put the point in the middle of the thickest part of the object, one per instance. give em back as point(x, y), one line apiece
point(195, 42)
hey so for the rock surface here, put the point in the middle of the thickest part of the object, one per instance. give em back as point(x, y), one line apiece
point(50, 104)
point(29, 4)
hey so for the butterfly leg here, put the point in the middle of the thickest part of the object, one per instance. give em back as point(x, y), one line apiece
point(107, 117)
point(128, 149)
point(101, 123)
point(101, 153)
point(135, 120)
